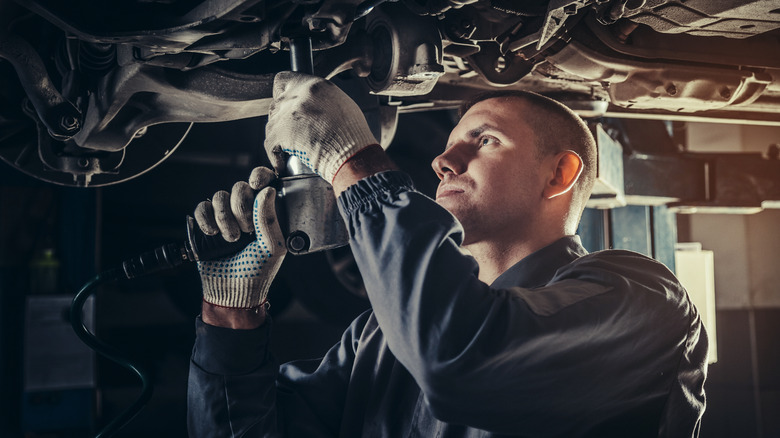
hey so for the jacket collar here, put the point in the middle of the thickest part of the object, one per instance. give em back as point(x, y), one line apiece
point(538, 268)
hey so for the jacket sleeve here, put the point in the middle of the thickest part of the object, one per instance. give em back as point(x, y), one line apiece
point(518, 361)
point(236, 389)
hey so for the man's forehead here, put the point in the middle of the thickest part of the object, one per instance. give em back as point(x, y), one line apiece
point(505, 108)
point(500, 113)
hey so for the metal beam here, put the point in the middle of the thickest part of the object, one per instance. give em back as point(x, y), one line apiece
point(685, 182)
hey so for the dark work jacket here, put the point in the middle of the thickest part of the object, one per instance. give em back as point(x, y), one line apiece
point(563, 344)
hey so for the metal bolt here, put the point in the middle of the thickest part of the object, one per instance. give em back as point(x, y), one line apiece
point(297, 242)
point(671, 90)
point(317, 25)
point(69, 123)
point(83, 163)
point(500, 64)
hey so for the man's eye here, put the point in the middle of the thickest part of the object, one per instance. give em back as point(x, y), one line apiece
point(487, 140)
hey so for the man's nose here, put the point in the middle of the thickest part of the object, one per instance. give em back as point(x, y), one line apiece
point(453, 160)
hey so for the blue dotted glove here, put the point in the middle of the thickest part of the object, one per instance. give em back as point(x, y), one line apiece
point(242, 281)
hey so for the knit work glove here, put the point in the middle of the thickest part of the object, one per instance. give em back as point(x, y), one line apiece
point(243, 280)
point(314, 120)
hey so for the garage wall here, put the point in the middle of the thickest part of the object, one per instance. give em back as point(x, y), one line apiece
point(745, 246)
point(744, 386)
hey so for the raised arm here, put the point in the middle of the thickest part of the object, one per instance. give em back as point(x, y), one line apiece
point(575, 348)
point(235, 386)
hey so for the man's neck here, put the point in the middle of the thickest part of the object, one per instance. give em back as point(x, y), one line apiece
point(495, 257)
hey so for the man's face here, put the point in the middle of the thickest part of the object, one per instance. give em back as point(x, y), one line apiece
point(490, 172)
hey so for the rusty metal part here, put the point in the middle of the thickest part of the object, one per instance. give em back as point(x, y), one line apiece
point(355, 54)
point(650, 84)
point(497, 68)
point(137, 96)
point(407, 58)
point(61, 118)
point(26, 145)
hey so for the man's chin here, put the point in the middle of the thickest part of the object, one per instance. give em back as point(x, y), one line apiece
point(465, 224)
point(453, 209)
point(447, 205)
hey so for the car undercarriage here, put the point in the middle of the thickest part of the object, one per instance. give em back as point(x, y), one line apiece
point(96, 93)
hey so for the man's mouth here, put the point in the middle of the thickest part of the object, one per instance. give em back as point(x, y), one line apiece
point(445, 191)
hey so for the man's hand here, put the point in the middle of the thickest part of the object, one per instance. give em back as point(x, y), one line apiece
point(314, 120)
point(234, 285)
point(231, 213)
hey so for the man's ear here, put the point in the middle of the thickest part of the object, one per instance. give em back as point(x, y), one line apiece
point(567, 170)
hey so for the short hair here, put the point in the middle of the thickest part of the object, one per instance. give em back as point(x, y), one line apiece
point(557, 128)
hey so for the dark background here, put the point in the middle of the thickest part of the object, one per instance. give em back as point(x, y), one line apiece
point(152, 319)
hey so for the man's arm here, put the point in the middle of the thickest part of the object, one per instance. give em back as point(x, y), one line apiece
point(485, 357)
point(231, 389)
point(241, 319)
point(237, 389)
point(232, 379)
point(367, 162)
point(515, 360)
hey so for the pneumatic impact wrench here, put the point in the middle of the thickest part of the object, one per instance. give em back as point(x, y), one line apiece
point(305, 205)
point(309, 219)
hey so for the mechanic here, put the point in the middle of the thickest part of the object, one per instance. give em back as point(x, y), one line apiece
point(488, 316)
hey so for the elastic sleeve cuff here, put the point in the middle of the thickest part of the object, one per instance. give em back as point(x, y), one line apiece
point(367, 189)
point(225, 351)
